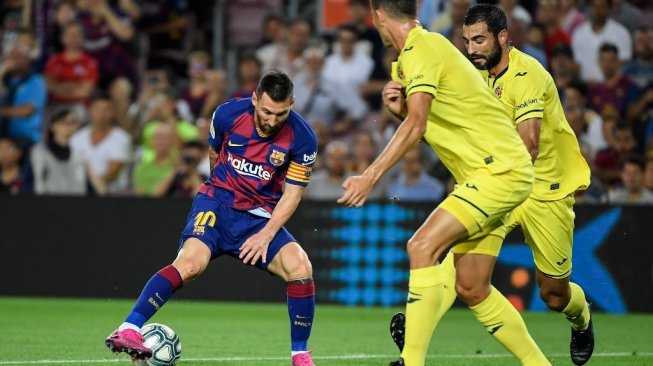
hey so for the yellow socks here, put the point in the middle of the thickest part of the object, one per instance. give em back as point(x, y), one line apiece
point(425, 294)
point(577, 311)
point(504, 323)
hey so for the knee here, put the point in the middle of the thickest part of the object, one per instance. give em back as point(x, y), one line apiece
point(188, 270)
point(299, 267)
point(472, 294)
point(423, 250)
point(554, 300)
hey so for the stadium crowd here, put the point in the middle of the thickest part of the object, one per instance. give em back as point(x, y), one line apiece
point(103, 97)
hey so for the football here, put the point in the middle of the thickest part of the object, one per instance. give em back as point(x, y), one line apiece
point(164, 343)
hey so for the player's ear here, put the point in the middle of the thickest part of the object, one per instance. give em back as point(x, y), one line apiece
point(503, 37)
point(254, 99)
point(292, 101)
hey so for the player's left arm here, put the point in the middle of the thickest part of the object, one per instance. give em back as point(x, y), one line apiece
point(257, 245)
point(529, 130)
point(529, 88)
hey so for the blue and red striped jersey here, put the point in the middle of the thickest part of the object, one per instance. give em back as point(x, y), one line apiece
point(251, 170)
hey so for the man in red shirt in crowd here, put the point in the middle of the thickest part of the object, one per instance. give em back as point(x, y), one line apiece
point(71, 74)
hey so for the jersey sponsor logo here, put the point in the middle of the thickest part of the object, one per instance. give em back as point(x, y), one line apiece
point(232, 144)
point(562, 261)
point(310, 159)
point(525, 104)
point(409, 48)
point(523, 73)
point(415, 78)
point(471, 186)
point(245, 167)
point(277, 157)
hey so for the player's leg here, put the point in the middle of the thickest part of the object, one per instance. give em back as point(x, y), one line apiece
point(491, 308)
point(426, 291)
point(548, 227)
point(291, 263)
point(192, 259)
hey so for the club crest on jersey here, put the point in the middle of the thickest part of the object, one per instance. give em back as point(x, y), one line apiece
point(277, 157)
point(498, 91)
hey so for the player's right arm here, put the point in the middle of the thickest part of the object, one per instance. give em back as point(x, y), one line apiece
point(407, 135)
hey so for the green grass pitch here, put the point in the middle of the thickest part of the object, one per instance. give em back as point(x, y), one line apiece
point(71, 332)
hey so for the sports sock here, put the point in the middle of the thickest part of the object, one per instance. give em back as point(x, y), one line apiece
point(505, 324)
point(577, 311)
point(448, 270)
point(423, 312)
point(156, 292)
point(301, 310)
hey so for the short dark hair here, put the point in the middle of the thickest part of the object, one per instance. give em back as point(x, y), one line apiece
point(60, 115)
point(194, 144)
point(397, 8)
point(277, 85)
point(99, 96)
point(609, 47)
point(579, 86)
point(636, 159)
point(610, 2)
point(491, 15)
point(363, 3)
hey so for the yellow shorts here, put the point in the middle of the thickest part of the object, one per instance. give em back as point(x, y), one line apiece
point(481, 202)
point(548, 227)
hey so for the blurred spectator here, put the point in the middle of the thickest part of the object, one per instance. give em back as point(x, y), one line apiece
point(617, 92)
point(108, 32)
point(217, 85)
point(430, 10)
point(150, 173)
point(327, 184)
point(563, 67)
point(589, 37)
point(324, 102)
point(56, 169)
point(548, 14)
point(11, 20)
point(516, 12)
point(104, 147)
point(25, 94)
point(249, 73)
point(71, 75)
point(413, 184)
point(517, 31)
point(640, 70)
point(587, 124)
point(572, 18)
point(535, 38)
point(640, 115)
point(274, 30)
point(608, 162)
point(627, 15)
point(348, 68)
point(165, 24)
point(12, 176)
point(185, 181)
point(65, 11)
point(633, 190)
point(648, 174)
point(198, 90)
point(453, 18)
point(131, 8)
point(287, 56)
point(365, 150)
point(164, 111)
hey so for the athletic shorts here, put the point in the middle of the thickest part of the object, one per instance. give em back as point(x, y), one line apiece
point(224, 229)
point(548, 227)
point(482, 202)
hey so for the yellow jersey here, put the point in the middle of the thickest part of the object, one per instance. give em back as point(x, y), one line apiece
point(467, 127)
point(527, 91)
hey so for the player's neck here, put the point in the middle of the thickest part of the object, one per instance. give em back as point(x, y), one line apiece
point(401, 30)
point(503, 63)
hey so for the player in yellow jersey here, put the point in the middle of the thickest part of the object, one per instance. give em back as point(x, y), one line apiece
point(529, 95)
point(443, 100)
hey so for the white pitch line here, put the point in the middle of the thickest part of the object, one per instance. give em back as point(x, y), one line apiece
point(338, 357)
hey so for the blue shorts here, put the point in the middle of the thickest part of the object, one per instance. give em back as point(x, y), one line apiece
point(224, 229)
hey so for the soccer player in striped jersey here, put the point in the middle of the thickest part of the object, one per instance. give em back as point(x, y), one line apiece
point(261, 154)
